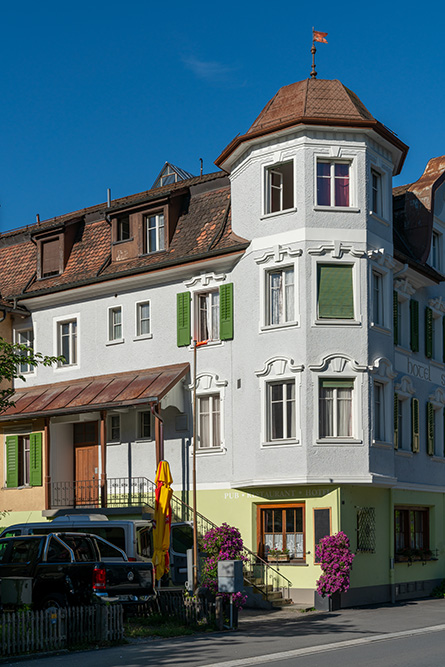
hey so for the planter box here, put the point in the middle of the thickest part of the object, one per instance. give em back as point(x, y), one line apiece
point(327, 603)
point(281, 558)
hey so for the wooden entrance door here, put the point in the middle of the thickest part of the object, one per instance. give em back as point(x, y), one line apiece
point(86, 464)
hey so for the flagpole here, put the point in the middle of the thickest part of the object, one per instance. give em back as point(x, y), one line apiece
point(313, 51)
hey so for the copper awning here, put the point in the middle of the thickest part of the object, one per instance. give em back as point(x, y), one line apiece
point(103, 392)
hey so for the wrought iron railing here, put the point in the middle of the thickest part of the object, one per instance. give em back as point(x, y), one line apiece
point(136, 491)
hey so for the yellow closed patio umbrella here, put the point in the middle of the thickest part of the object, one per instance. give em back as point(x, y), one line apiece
point(162, 518)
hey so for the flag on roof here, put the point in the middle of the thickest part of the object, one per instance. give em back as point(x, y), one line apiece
point(320, 36)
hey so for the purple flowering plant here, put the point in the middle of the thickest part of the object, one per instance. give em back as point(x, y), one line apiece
point(222, 543)
point(335, 557)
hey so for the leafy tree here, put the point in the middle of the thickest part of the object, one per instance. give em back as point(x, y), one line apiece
point(12, 355)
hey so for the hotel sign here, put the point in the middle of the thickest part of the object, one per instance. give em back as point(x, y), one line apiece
point(426, 372)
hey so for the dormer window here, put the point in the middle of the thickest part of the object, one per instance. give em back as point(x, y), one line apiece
point(50, 256)
point(123, 229)
point(154, 233)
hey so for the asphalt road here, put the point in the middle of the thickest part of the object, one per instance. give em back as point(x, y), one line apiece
point(404, 634)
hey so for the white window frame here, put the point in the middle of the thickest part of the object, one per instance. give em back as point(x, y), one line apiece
point(208, 385)
point(283, 296)
point(269, 170)
point(57, 324)
point(140, 437)
point(379, 209)
point(283, 402)
point(111, 438)
point(405, 392)
point(436, 254)
point(357, 319)
point(160, 238)
point(197, 298)
point(112, 325)
point(335, 402)
point(404, 328)
point(437, 399)
point(382, 377)
point(379, 412)
point(211, 412)
point(279, 370)
point(138, 319)
point(350, 161)
point(386, 303)
point(30, 370)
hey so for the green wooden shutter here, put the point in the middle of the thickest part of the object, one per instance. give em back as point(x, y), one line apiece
point(415, 424)
point(430, 428)
point(396, 421)
point(395, 317)
point(414, 324)
point(12, 461)
point(335, 293)
point(226, 311)
point(35, 459)
point(428, 332)
point(183, 314)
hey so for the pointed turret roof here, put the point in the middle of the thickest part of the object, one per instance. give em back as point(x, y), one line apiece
point(313, 102)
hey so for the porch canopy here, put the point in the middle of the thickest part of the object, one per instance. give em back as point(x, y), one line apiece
point(102, 392)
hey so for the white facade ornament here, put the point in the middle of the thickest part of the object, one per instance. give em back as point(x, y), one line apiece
point(336, 363)
point(208, 382)
point(277, 366)
point(382, 367)
point(403, 286)
point(205, 279)
point(437, 304)
point(437, 397)
point(278, 253)
point(382, 258)
point(405, 386)
point(337, 249)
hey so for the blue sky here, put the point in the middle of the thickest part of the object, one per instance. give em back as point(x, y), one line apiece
point(99, 95)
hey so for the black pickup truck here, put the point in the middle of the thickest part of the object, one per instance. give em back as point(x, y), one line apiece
point(74, 569)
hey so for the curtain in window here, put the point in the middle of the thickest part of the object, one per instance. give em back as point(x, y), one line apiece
point(216, 435)
point(204, 422)
point(341, 184)
point(326, 412)
point(323, 184)
point(344, 414)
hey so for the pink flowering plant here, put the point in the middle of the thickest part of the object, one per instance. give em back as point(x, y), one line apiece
point(222, 543)
point(335, 557)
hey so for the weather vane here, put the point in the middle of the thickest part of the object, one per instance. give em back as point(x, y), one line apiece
point(317, 36)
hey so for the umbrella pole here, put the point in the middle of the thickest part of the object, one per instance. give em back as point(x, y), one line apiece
point(195, 527)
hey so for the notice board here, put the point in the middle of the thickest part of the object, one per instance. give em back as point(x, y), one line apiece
point(322, 523)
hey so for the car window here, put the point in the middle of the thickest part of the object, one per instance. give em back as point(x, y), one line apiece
point(3, 548)
point(144, 542)
point(182, 538)
point(57, 553)
point(24, 551)
point(108, 552)
point(82, 547)
point(11, 533)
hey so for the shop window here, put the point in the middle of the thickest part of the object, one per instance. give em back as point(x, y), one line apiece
point(411, 530)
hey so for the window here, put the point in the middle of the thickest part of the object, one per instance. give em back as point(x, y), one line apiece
point(25, 337)
point(434, 334)
point(333, 183)
point(208, 316)
point(154, 233)
point(209, 421)
point(281, 296)
point(23, 460)
point(411, 527)
point(435, 416)
point(123, 229)
point(436, 251)
point(281, 410)
point(115, 323)
point(67, 342)
point(405, 321)
point(379, 412)
point(366, 541)
point(335, 408)
point(378, 312)
point(280, 187)
point(282, 528)
point(50, 258)
point(144, 425)
point(115, 428)
point(376, 193)
point(143, 318)
point(335, 291)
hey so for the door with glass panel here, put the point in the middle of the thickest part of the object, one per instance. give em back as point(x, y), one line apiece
point(281, 528)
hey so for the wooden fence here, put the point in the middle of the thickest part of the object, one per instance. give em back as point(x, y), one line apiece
point(175, 604)
point(29, 631)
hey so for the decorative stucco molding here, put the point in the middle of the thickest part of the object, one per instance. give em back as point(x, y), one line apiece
point(205, 279)
point(278, 253)
point(279, 366)
point(437, 397)
point(336, 249)
point(437, 304)
point(383, 368)
point(336, 363)
point(405, 386)
point(208, 382)
point(403, 286)
point(382, 258)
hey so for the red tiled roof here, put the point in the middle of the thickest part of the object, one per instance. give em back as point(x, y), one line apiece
point(95, 393)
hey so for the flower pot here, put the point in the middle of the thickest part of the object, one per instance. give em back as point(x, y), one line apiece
point(327, 603)
point(279, 558)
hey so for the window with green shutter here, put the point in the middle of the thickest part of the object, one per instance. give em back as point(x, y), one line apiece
point(183, 319)
point(23, 460)
point(415, 439)
point(12, 461)
point(226, 311)
point(396, 421)
point(396, 317)
point(414, 324)
point(35, 459)
point(428, 332)
point(335, 291)
point(430, 428)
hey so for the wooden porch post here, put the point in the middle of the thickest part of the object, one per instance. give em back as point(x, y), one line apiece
point(47, 465)
point(103, 458)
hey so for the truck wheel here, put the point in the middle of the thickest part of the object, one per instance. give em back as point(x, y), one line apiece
point(54, 601)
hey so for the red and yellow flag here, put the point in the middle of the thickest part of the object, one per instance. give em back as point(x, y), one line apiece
point(320, 36)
